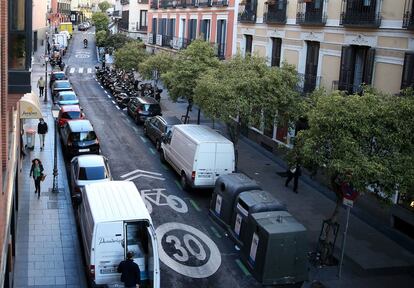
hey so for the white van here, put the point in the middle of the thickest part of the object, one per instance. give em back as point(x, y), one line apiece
point(113, 219)
point(61, 39)
point(198, 154)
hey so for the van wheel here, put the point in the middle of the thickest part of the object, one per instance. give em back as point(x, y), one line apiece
point(184, 182)
point(162, 157)
point(158, 145)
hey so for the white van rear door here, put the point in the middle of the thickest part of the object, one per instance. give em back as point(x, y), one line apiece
point(204, 164)
point(224, 159)
point(109, 252)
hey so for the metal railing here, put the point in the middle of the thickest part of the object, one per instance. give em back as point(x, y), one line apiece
point(307, 83)
point(349, 88)
point(154, 4)
point(308, 15)
point(356, 14)
point(124, 2)
point(276, 12)
point(408, 17)
point(220, 2)
point(204, 3)
point(247, 16)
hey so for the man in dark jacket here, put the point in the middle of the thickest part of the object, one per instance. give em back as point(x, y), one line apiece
point(131, 275)
point(42, 130)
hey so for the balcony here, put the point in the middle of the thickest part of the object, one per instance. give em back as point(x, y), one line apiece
point(276, 12)
point(166, 4)
point(408, 19)
point(311, 12)
point(361, 14)
point(220, 3)
point(124, 2)
point(154, 4)
point(247, 16)
point(308, 83)
point(205, 3)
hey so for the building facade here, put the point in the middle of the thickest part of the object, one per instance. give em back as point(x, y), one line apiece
point(173, 24)
point(335, 44)
point(40, 8)
point(132, 18)
point(15, 80)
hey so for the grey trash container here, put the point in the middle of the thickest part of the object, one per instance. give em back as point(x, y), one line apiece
point(246, 203)
point(277, 247)
point(30, 138)
point(227, 188)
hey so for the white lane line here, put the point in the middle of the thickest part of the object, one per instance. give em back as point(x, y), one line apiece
point(140, 171)
point(72, 70)
point(148, 176)
point(135, 129)
point(118, 108)
point(113, 102)
point(106, 92)
point(80, 70)
point(109, 96)
point(89, 70)
point(101, 86)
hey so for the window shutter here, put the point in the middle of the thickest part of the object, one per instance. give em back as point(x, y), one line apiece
point(369, 66)
point(346, 72)
point(408, 71)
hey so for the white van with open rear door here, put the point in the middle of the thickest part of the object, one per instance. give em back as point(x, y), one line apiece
point(113, 219)
point(198, 154)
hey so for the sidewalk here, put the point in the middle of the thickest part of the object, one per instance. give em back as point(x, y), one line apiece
point(371, 258)
point(47, 247)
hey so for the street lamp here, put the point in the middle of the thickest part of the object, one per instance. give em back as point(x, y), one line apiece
point(46, 61)
point(55, 113)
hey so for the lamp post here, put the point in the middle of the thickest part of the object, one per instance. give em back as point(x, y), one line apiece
point(46, 61)
point(55, 113)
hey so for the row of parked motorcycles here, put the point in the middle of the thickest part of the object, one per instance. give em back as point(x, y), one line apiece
point(123, 85)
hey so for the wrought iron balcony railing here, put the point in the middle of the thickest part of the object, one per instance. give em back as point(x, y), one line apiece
point(360, 14)
point(308, 83)
point(154, 4)
point(220, 3)
point(311, 12)
point(247, 16)
point(408, 19)
point(276, 12)
point(124, 2)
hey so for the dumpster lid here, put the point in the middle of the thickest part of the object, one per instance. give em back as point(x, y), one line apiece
point(29, 107)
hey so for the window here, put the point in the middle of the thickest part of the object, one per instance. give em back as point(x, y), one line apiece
point(143, 20)
point(221, 38)
point(408, 71)
point(311, 68)
point(192, 29)
point(71, 115)
point(84, 136)
point(17, 17)
point(17, 49)
point(92, 173)
point(249, 44)
point(205, 29)
point(276, 51)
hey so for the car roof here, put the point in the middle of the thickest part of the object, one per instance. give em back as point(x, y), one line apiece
point(57, 82)
point(169, 120)
point(67, 93)
point(67, 108)
point(147, 100)
point(90, 160)
point(201, 133)
point(80, 125)
point(58, 72)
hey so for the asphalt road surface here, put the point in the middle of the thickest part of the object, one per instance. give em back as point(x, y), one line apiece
point(194, 251)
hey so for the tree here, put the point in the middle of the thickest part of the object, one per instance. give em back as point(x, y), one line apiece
point(117, 41)
point(100, 20)
point(104, 5)
point(247, 89)
point(101, 38)
point(130, 56)
point(359, 141)
point(156, 65)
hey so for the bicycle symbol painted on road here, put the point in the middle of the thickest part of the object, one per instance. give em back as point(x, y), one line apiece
point(187, 250)
point(157, 197)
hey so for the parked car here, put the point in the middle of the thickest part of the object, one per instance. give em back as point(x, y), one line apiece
point(67, 98)
point(82, 27)
point(60, 85)
point(88, 169)
point(78, 137)
point(140, 108)
point(69, 112)
point(198, 154)
point(157, 127)
point(56, 75)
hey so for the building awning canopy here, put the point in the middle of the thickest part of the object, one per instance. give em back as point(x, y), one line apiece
point(29, 107)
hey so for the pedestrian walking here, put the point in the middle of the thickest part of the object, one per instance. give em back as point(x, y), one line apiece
point(42, 130)
point(41, 85)
point(131, 275)
point(293, 173)
point(37, 172)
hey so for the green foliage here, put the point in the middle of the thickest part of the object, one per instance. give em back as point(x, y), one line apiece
point(190, 64)
point(104, 5)
point(161, 63)
point(101, 37)
point(130, 56)
point(117, 41)
point(101, 21)
point(368, 138)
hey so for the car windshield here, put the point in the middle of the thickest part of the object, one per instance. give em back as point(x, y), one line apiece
point(152, 107)
point(84, 136)
point(59, 76)
point(67, 97)
point(92, 173)
point(62, 85)
point(71, 115)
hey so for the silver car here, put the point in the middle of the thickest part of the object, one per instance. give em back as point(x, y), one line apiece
point(87, 169)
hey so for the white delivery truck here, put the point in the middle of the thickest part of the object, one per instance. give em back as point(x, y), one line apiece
point(198, 154)
point(113, 220)
point(62, 40)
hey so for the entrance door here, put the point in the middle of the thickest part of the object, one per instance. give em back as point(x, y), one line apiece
point(311, 68)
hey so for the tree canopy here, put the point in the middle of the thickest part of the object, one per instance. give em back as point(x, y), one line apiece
point(101, 38)
point(104, 5)
point(117, 41)
point(100, 20)
point(130, 56)
point(161, 63)
point(190, 63)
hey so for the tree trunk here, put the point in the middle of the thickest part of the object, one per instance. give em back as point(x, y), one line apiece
point(233, 129)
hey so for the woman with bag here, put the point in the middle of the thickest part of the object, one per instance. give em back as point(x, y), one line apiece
point(37, 171)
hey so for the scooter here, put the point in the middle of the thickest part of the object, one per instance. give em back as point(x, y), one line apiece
point(85, 43)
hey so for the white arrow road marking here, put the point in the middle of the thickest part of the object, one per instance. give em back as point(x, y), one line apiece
point(80, 70)
point(144, 175)
point(89, 70)
point(72, 70)
point(142, 171)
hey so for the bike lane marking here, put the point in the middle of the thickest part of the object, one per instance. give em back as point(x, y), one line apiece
point(215, 232)
point(195, 205)
point(143, 139)
point(157, 197)
point(242, 267)
point(152, 151)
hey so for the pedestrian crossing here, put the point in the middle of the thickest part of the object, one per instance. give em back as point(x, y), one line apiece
point(90, 33)
point(80, 70)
